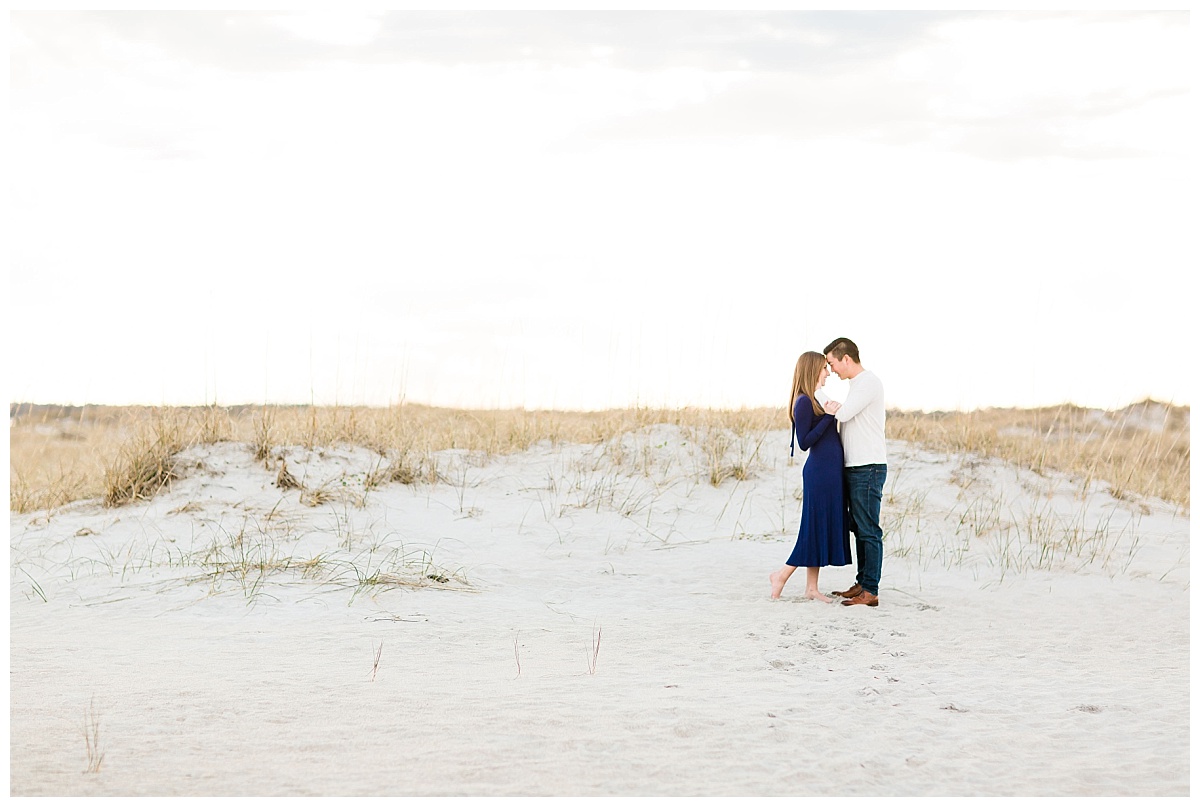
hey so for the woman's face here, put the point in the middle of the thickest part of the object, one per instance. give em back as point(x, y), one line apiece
point(824, 375)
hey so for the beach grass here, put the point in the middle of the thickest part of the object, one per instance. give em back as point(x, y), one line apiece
point(1140, 450)
point(62, 454)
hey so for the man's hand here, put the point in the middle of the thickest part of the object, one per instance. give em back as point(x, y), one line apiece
point(832, 407)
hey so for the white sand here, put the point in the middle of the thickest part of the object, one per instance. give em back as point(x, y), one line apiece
point(975, 676)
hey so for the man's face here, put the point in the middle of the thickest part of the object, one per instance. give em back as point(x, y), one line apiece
point(838, 366)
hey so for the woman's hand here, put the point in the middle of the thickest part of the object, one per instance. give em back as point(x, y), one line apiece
point(832, 407)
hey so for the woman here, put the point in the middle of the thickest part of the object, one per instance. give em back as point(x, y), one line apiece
point(824, 538)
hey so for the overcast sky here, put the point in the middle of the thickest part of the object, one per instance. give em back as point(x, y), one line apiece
point(587, 210)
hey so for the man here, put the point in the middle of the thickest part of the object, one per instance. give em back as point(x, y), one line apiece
point(860, 418)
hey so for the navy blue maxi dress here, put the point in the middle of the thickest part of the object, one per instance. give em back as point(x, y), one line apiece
point(824, 538)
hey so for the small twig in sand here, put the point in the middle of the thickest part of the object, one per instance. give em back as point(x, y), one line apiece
point(91, 736)
point(378, 653)
point(595, 651)
point(517, 652)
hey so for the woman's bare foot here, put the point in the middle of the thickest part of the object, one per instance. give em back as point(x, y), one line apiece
point(811, 590)
point(778, 579)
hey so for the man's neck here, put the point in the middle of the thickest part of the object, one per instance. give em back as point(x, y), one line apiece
point(854, 370)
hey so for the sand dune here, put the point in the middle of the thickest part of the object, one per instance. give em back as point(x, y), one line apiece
point(595, 620)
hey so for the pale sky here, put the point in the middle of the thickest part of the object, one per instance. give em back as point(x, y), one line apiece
point(598, 209)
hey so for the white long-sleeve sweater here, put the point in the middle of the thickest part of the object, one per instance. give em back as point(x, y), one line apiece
point(861, 420)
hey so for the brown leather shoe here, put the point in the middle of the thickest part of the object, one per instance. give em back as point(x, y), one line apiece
point(853, 591)
point(862, 598)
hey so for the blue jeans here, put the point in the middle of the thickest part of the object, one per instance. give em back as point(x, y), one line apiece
point(864, 497)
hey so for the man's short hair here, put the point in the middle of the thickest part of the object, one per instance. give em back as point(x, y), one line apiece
point(842, 347)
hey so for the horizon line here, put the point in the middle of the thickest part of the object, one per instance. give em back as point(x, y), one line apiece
point(15, 407)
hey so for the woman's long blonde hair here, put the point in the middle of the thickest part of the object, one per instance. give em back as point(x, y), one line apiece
point(804, 382)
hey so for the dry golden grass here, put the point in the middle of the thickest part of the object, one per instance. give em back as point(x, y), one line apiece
point(55, 460)
point(1143, 449)
point(63, 454)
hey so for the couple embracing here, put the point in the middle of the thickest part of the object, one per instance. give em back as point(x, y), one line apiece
point(843, 473)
